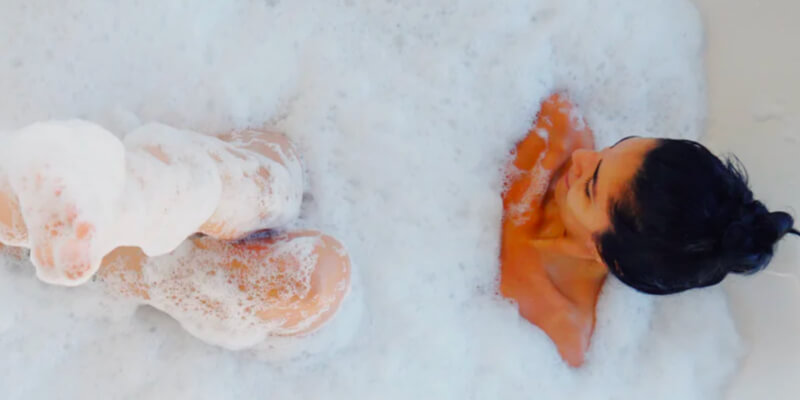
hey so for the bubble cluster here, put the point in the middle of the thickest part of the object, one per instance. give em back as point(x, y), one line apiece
point(404, 113)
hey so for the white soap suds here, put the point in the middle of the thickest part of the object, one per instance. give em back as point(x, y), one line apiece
point(82, 192)
point(404, 113)
point(257, 296)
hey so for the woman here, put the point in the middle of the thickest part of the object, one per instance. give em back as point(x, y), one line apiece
point(661, 215)
point(89, 205)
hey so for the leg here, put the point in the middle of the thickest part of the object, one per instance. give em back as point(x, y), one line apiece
point(236, 183)
point(266, 194)
point(283, 285)
point(72, 204)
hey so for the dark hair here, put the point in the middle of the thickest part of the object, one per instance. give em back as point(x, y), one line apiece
point(687, 220)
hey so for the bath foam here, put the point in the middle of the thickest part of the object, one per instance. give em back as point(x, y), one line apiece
point(65, 193)
point(404, 114)
point(219, 307)
point(82, 190)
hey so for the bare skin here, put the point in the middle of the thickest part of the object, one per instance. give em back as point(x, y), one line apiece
point(287, 299)
point(244, 262)
point(553, 208)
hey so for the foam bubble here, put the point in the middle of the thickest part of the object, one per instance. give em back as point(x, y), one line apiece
point(82, 192)
point(404, 114)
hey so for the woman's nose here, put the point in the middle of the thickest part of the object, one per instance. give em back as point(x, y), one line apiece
point(582, 160)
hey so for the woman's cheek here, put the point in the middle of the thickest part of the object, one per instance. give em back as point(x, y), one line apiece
point(571, 202)
point(572, 193)
point(577, 203)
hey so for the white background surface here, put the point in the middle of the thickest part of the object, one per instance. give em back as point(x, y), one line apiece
point(752, 62)
point(424, 77)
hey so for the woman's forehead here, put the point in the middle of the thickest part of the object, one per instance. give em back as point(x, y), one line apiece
point(620, 163)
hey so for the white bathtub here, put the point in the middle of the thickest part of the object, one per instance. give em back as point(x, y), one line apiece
point(753, 58)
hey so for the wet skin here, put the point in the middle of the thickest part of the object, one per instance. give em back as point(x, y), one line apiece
point(557, 201)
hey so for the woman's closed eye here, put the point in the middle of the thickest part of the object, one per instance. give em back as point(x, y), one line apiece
point(591, 183)
point(586, 189)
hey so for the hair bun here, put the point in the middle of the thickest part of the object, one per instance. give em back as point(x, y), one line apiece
point(749, 240)
point(782, 222)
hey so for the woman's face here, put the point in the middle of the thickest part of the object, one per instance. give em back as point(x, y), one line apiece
point(592, 181)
